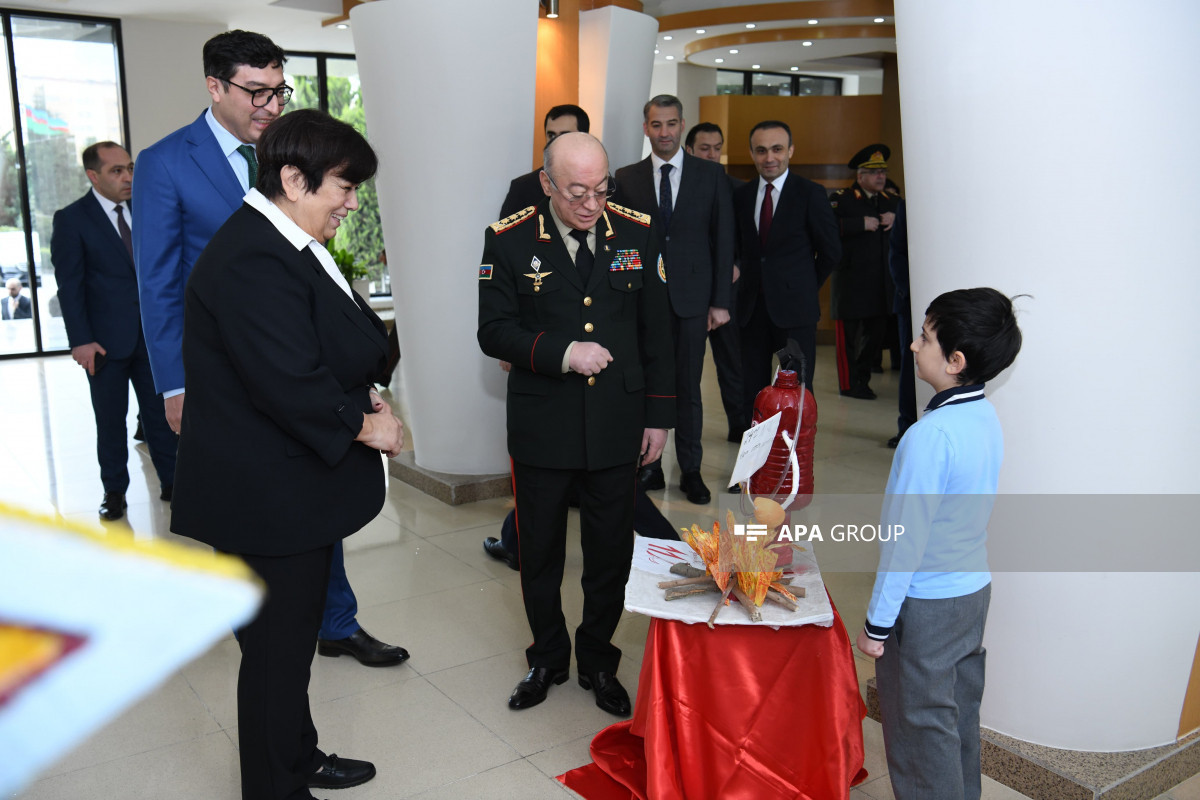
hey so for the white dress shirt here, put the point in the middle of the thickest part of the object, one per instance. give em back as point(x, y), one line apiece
point(229, 145)
point(110, 208)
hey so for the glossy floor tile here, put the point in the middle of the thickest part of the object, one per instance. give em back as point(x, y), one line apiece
point(437, 727)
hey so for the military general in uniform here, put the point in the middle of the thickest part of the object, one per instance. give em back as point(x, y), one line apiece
point(573, 294)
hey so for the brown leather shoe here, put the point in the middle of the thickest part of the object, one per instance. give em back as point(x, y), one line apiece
point(366, 648)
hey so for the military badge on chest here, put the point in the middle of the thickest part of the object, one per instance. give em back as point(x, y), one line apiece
point(537, 273)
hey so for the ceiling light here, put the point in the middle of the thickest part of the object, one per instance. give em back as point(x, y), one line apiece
point(656, 51)
point(795, 69)
point(879, 19)
point(699, 30)
point(720, 61)
point(733, 52)
point(551, 8)
point(749, 24)
point(813, 21)
point(341, 26)
point(668, 38)
point(670, 58)
point(756, 66)
point(807, 44)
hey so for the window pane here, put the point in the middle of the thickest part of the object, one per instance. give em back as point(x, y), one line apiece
point(300, 73)
point(16, 335)
point(729, 82)
point(820, 86)
point(777, 85)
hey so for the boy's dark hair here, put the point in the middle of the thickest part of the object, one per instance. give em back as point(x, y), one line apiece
point(582, 123)
point(225, 52)
point(980, 323)
point(771, 123)
point(316, 144)
point(702, 127)
point(91, 155)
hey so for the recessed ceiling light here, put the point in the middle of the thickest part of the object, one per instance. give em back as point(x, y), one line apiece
point(879, 19)
point(795, 69)
point(756, 66)
point(699, 30)
point(670, 58)
point(733, 52)
point(656, 51)
point(720, 61)
point(749, 24)
point(813, 21)
point(668, 38)
point(807, 44)
point(341, 26)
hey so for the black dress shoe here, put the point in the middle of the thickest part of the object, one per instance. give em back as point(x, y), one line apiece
point(113, 506)
point(651, 478)
point(166, 493)
point(341, 773)
point(496, 549)
point(693, 486)
point(859, 392)
point(610, 694)
point(366, 648)
point(894, 442)
point(735, 489)
point(533, 687)
point(139, 435)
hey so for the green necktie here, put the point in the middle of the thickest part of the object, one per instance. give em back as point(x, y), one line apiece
point(247, 152)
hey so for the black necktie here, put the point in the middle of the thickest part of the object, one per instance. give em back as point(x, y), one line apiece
point(584, 259)
point(123, 228)
point(247, 152)
point(665, 203)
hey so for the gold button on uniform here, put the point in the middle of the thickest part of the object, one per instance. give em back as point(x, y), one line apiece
point(592, 381)
point(587, 301)
point(588, 327)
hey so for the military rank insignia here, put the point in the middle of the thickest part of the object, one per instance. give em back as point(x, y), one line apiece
point(662, 272)
point(485, 272)
point(625, 259)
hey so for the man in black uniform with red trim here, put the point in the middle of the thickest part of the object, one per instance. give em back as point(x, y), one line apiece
point(573, 294)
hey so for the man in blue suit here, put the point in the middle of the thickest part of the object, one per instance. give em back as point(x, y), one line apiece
point(92, 250)
point(187, 185)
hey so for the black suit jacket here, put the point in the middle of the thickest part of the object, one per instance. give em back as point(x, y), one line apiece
point(97, 285)
point(801, 252)
point(523, 192)
point(698, 246)
point(279, 362)
point(24, 308)
point(568, 421)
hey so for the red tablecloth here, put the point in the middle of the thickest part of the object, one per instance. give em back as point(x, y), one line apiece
point(736, 713)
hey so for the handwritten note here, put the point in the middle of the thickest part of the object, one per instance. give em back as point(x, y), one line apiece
point(756, 446)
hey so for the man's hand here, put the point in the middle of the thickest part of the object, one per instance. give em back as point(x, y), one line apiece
point(870, 223)
point(717, 317)
point(888, 218)
point(506, 366)
point(382, 432)
point(174, 409)
point(653, 442)
point(869, 646)
point(588, 358)
point(737, 273)
point(85, 355)
point(378, 404)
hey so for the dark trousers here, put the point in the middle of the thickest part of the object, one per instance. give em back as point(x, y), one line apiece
point(760, 340)
point(606, 499)
point(863, 339)
point(110, 403)
point(908, 387)
point(277, 738)
point(341, 606)
point(691, 337)
point(726, 344)
point(931, 679)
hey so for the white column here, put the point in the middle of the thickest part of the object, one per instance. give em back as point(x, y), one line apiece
point(448, 91)
point(616, 57)
point(1048, 150)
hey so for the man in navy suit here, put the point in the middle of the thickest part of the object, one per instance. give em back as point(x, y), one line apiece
point(16, 305)
point(92, 249)
point(187, 185)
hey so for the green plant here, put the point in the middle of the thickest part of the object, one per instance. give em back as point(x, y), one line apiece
point(351, 270)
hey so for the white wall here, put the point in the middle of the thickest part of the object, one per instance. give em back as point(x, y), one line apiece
point(1070, 140)
point(616, 56)
point(164, 76)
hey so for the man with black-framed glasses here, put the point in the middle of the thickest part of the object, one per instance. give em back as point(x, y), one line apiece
point(186, 186)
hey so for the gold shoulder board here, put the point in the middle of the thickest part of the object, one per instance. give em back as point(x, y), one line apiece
point(629, 213)
point(514, 220)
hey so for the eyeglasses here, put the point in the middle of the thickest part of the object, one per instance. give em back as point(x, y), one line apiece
point(576, 199)
point(260, 98)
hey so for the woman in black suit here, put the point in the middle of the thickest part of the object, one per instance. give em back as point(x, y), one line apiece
point(281, 435)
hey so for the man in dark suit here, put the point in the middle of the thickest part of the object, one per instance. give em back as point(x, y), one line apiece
point(92, 250)
point(689, 200)
point(706, 140)
point(16, 305)
point(526, 190)
point(789, 246)
point(573, 294)
point(187, 185)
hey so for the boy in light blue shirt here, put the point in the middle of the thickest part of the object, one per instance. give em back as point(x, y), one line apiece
point(927, 612)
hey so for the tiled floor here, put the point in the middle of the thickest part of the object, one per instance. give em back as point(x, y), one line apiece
point(437, 726)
